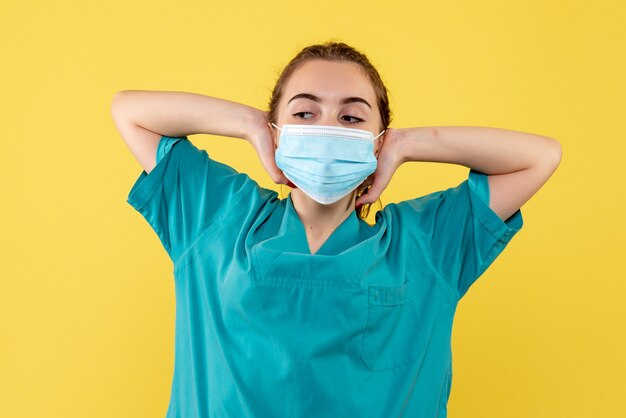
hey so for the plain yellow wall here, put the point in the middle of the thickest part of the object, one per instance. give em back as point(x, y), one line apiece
point(86, 294)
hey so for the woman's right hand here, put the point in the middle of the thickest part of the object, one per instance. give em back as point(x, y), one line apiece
point(260, 136)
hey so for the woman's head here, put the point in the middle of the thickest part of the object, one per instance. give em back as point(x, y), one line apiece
point(314, 86)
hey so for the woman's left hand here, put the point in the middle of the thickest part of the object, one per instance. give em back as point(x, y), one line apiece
point(390, 157)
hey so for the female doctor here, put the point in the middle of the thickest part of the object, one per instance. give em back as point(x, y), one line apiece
point(297, 307)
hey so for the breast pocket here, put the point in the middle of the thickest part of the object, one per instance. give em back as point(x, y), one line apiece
point(392, 336)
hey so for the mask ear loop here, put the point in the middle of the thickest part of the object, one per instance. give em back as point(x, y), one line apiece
point(270, 125)
point(384, 130)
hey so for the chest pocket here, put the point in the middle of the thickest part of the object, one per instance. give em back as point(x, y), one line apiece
point(392, 336)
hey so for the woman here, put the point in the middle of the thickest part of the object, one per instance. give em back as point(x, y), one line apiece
point(297, 307)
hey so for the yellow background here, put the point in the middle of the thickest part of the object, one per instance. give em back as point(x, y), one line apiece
point(86, 295)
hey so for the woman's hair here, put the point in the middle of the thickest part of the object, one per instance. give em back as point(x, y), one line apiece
point(335, 51)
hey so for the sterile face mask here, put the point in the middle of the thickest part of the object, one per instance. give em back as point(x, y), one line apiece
point(326, 162)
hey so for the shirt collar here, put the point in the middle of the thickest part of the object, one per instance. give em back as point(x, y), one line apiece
point(345, 235)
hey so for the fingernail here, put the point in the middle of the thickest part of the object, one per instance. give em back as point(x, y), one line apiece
point(290, 184)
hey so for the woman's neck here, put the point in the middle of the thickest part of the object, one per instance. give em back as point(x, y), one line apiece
point(320, 220)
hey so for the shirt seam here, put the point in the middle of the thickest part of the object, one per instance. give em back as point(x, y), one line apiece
point(225, 213)
point(498, 229)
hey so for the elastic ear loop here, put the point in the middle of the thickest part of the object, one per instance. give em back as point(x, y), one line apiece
point(384, 130)
point(270, 125)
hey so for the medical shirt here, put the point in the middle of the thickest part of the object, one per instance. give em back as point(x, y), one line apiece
point(264, 328)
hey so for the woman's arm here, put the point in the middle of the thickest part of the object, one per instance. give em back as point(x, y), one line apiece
point(517, 163)
point(175, 113)
point(143, 116)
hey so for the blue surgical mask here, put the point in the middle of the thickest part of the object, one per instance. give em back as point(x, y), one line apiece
point(326, 162)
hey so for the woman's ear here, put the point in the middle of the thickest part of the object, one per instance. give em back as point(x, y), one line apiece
point(274, 135)
point(379, 144)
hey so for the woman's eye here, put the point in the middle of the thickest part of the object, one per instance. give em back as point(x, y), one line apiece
point(353, 117)
point(300, 113)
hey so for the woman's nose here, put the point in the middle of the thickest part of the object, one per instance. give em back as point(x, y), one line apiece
point(328, 121)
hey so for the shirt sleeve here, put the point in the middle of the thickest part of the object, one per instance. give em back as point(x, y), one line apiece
point(459, 232)
point(185, 193)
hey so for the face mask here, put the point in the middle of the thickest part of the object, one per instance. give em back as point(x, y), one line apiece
point(326, 162)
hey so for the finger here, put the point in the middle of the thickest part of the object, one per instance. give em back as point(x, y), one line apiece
point(268, 160)
point(381, 180)
point(364, 199)
point(369, 180)
point(280, 176)
point(276, 173)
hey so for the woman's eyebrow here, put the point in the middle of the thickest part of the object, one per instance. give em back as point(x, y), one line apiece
point(317, 99)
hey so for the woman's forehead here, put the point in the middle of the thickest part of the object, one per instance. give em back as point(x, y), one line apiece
point(330, 81)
